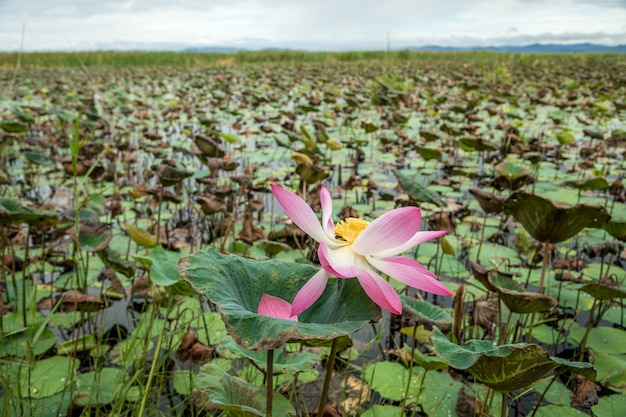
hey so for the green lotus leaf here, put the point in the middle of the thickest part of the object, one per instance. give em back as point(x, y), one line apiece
point(40, 341)
point(602, 292)
point(429, 363)
point(526, 302)
point(163, 270)
point(565, 138)
point(99, 387)
point(504, 368)
point(46, 377)
point(237, 284)
point(416, 191)
point(236, 396)
point(511, 176)
point(13, 126)
point(428, 153)
point(283, 362)
point(616, 229)
point(38, 158)
point(114, 260)
point(551, 224)
point(469, 144)
point(425, 310)
point(595, 184)
point(140, 236)
point(12, 211)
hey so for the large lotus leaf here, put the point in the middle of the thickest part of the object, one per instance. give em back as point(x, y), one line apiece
point(283, 362)
point(504, 368)
point(236, 396)
point(438, 390)
point(12, 211)
point(416, 191)
point(237, 284)
point(548, 223)
point(47, 377)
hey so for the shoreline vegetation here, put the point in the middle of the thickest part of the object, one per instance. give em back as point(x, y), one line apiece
point(200, 59)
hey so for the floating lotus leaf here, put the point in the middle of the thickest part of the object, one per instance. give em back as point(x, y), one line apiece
point(416, 191)
point(99, 387)
point(504, 368)
point(551, 224)
point(237, 284)
point(236, 396)
point(602, 292)
point(39, 340)
point(46, 377)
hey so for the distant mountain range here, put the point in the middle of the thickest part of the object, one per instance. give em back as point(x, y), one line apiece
point(531, 49)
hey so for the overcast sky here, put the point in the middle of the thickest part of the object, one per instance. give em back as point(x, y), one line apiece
point(305, 24)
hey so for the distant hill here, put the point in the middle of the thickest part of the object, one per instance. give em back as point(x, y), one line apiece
point(533, 48)
point(214, 49)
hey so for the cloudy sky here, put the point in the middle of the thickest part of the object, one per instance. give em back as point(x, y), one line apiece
point(305, 24)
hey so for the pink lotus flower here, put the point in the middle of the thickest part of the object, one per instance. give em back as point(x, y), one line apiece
point(276, 307)
point(356, 248)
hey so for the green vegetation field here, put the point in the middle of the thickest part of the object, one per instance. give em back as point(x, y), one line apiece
point(121, 172)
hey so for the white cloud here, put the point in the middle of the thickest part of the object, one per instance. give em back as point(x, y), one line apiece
point(320, 24)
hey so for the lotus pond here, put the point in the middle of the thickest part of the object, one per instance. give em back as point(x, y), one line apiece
point(139, 233)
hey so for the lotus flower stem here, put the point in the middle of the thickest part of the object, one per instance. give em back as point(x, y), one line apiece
point(269, 382)
point(544, 267)
point(329, 374)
